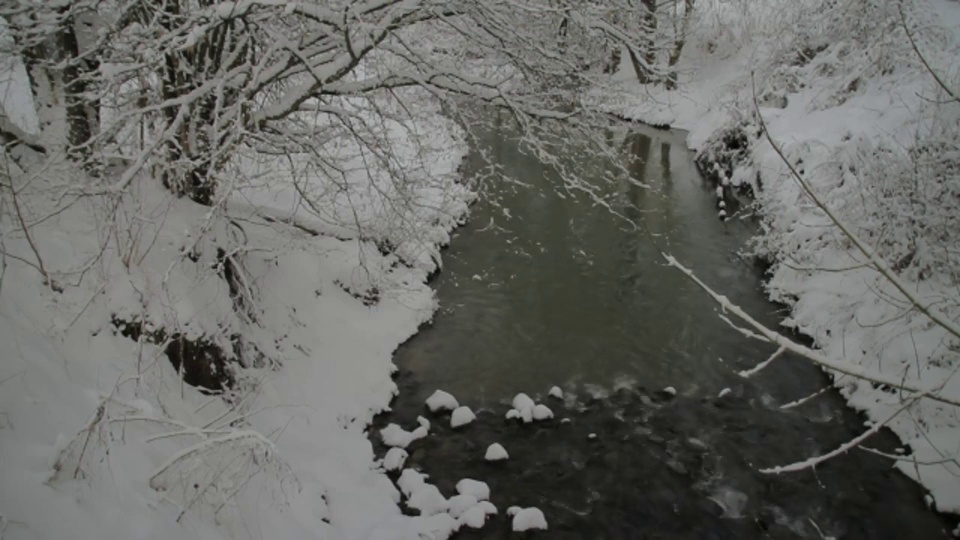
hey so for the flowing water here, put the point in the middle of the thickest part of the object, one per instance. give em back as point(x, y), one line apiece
point(543, 288)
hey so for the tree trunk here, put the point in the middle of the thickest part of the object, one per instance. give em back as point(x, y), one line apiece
point(648, 17)
point(678, 43)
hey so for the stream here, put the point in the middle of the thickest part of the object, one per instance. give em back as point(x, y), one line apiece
point(543, 288)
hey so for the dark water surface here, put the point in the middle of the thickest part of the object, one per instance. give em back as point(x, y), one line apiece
point(543, 288)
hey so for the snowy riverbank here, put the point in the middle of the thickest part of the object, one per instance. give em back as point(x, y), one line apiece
point(843, 92)
point(301, 306)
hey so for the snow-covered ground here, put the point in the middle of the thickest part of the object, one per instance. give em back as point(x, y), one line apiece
point(100, 438)
point(841, 89)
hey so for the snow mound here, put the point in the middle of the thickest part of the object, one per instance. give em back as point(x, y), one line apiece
point(723, 392)
point(410, 481)
point(522, 401)
point(488, 507)
point(513, 414)
point(461, 503)
point(436, 527)
point(496, 452)
point(394, 435)
point(395, 459)
point(670, 391)
point(474, 518)
point(442, 401)
point(556, 392)
point(478, 489)
point(462, 416)
point(513, 510)
point(428, 500)
point(424, 423)
point(529, 519)
point(542, 412)
point(524, 406)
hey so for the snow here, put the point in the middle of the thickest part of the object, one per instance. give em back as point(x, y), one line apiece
point(461, 416)
point(528, 519)
point(99, 431)
point(524, 405)
point(542, 412)
point(428, 500)
point(496, 452)
point(513, 414)
point(394, 459)
point(513, 510)
point(461, 503)
point(441, 401)
point(555, 392)
point(478, 489)
point(488, 507)
point(723, 392)
point(670, 391)
point(394, 435)
point(410, 481)
point(474, 518)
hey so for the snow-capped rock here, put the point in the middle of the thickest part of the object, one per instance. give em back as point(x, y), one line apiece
point(724, 392)
point(670, 391)
point(513, 510)
point(474, 518)
point(524, 406)
point(542, 412)
point(461, 503)
point(496, 452)
point(428, 500)
point(478, 489)
point(394, 435)
point(410, 480)
point(394, 459)
point(461, 416)
point(555, 392)
point(436, 527)
point(488, 507)
point(513, 414)
point(529, 519)
point(442, 401)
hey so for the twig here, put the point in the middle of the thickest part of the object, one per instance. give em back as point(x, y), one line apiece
point(843, 448)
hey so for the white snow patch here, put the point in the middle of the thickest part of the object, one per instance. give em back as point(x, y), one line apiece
point(488, 507)
point(474, 518)
point(524, 406)
point(555, 392)
point(428, 500)
point(724, 392)
point(461, 503)
point(496, 452)
point(528, 519)
point(394, 459)
point(478, 489)
point(411, 480)
point(394, 435)
point(442, 401)
point(542, 412)
point(461, 416)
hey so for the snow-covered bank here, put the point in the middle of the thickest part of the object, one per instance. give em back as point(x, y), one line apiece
point(841, 89)
point(100, 437)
